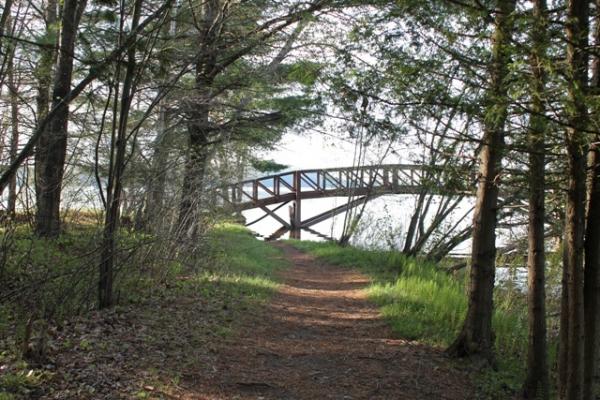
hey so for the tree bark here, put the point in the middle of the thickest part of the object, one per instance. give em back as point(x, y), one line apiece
point(195, 170)
point(14, 137)
point(198, 115)
point(52, 147)
point(577, 28)
point(4, 21)
point(412, 226)
point(44, 72)
point(476, 337)
point(537, 382)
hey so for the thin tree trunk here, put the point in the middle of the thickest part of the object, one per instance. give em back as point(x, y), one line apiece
point(563, 335)
point(576, 31)
point(14, 137)
point(57, 109)
point(45, 67)
point(476, 336)
point(4, 47)
point(537, 382)
point(115, 180)
point(53, 144)
point(5, 17)
point(443, 249)
point(412, 227)
point(446, 206)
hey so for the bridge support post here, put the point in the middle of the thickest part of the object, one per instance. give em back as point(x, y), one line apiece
point(296, 214)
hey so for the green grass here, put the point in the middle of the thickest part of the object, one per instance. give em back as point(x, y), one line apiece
point(243, 265)
point(424, 303)
point(242, 253)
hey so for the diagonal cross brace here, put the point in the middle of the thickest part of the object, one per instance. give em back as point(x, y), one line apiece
point(335, 211)
point(267, 214)
point(272, 214)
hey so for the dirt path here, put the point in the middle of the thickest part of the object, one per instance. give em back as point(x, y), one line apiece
point(321, 339)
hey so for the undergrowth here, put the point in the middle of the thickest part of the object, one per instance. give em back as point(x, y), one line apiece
point(426, 304)
point(230, 274)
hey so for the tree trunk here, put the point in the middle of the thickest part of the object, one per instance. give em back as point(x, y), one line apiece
point(14, 137)
point(52, 147)
point(577, 42)
point(537, 382)
point(115, 178)
point(43, 73)
point(195, 170)
point(476, 337)
point(198, 114)
point(446, 206)
point(4, 47)
point(591, 286)
point(155, 191)
point(563, 336)
point(412, 227)
point(158, 179)
point(45, 67)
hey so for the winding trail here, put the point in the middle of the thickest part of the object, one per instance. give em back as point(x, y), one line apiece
point(321, 339)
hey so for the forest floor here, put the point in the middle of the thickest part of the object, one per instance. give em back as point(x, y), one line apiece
point(317, 337)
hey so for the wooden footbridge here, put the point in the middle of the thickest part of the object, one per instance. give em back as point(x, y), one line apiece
point(359, 184)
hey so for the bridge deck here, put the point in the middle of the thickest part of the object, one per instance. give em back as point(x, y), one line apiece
point(360, 183)
point(319, 183)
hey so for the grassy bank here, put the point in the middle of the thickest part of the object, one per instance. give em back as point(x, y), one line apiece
point(166, 323)
point(245, 267)
point(424, 303)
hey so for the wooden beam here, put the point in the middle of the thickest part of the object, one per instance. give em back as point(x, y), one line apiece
point(335, 211)
point(275, 216)
point(267, 214)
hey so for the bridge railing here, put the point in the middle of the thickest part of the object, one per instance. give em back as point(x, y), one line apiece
point(315, 183)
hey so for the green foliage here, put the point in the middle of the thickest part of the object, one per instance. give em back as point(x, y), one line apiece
point(267, 165)
point(18, 380)
point(54, 278)
point(304, 72)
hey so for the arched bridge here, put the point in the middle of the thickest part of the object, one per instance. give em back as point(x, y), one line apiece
point(360, 184)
